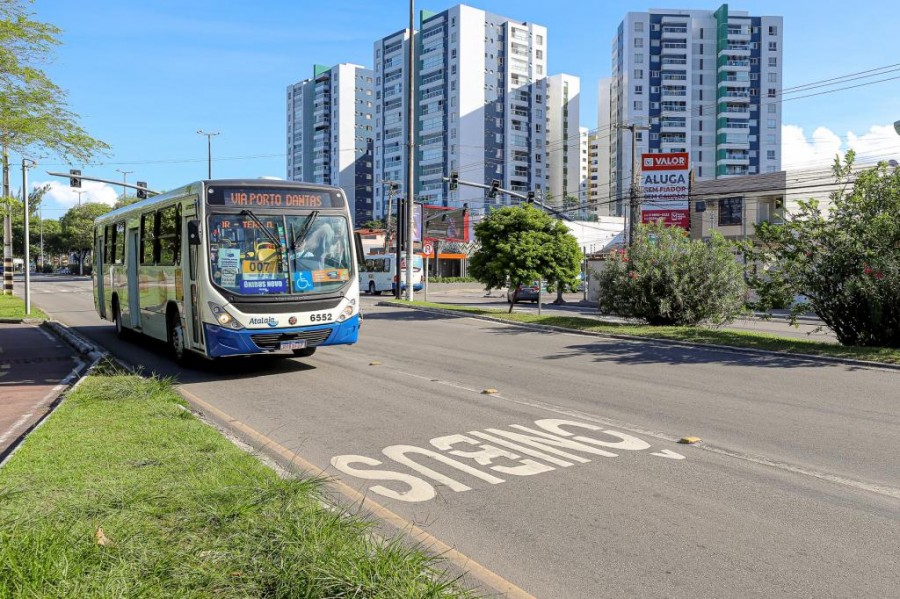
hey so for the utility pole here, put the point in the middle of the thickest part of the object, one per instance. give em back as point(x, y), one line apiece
point(392, 186)
point(7, 230)
point(411, 150)
point(634, 204)
point(209, 136)
point(124, 183)
point(27, 163)
point(80, 193)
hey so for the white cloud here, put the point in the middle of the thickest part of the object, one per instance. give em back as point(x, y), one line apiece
point(66, 197)
point(880, 142)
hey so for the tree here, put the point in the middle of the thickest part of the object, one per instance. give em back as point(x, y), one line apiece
point(34, 115)
point(523, 244)
point(666, 278)
point(373, 224)
point(78, 228)
point(847, 262)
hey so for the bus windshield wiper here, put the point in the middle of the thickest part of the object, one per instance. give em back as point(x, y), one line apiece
point(272, 237)
point(299, 237)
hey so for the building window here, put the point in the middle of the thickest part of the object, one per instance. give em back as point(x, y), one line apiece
point(770, 154)
point(773, 108)
point(773, 46)
point(773, 77)
point(773, 61)
point(730, 211)
point(638, 42)
point(771, 123)
point(638, 90)
point(772, 92)
point(539, 54)
point(638, 105)
point(639, 57)
point(773, 30)
point(540, 40)
point(770, 139)
point(639, 26)
point(639, 73)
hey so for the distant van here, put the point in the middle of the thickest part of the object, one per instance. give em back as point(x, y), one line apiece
point(379, 273)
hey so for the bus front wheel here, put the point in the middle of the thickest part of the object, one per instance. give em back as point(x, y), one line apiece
point(372, 290)
point(121, 332)
point(176, 340)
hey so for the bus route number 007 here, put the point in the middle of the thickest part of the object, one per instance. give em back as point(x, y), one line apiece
point(323, 317)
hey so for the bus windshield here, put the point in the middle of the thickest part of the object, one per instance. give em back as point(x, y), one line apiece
point(311, 255)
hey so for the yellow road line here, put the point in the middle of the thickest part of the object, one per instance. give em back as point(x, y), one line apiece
point(472, 568)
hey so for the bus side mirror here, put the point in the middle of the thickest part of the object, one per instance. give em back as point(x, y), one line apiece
point(193, 232)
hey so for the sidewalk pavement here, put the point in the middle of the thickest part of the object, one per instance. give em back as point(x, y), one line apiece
point(35, 368)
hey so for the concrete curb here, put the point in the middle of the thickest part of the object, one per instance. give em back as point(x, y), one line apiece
point(77, 342)
point(727, 348)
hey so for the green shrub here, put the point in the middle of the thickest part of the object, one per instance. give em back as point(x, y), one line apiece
point(845, 262)
point(667, 279)
point(452, 280)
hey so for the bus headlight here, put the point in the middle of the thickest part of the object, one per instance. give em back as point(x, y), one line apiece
point(224, 318)
point(346, 313)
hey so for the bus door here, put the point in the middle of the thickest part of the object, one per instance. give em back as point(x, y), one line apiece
point(99, 271)
point(133, 249)
point(191, 237)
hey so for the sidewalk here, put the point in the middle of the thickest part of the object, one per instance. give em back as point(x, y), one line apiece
point(35, 367)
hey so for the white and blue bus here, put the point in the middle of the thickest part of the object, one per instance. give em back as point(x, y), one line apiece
point(231, 267)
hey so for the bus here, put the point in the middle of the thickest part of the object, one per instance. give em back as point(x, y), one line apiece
point(379, 273)
point(231, 267)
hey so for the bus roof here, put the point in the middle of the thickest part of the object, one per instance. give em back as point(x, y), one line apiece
point(196, 187)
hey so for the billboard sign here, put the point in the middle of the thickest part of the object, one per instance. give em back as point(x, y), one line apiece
point(442, 222)
point(665, 183)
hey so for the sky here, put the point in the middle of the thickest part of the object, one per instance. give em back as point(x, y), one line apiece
point(146, 76)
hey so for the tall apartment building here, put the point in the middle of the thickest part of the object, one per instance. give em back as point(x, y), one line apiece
point(330, 132)
point(599, 198)
point(480, 106)
point(564, 174)
point(704, 82)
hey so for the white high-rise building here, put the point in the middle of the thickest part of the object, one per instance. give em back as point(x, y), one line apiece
point(599, 198)
point(330, 130)
point(703, 82)
point(480, 107)
point(564, 176)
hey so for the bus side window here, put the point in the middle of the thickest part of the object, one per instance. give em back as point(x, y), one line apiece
point(386, 266)
point(109, 233)
point(370, 265)
point(119, 241)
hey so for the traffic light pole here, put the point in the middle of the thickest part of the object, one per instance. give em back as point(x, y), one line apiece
point(514, 194)
point(80, 178)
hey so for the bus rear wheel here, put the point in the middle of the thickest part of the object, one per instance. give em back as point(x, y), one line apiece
point(121, 332)
point(372, 290)
point(305, 352)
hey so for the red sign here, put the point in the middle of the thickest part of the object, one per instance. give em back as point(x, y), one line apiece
point(670, 218)
point(676, 161)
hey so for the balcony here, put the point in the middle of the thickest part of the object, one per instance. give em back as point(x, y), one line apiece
point(735, 95)
point(677, 139)
point(672, 62)
point(732, 158)
point(736, 50)
point(676, 32)
point(673, 92)
point(732, 110)
point(733, 64)
point(666, 107)
point(728, 79)
point(667, 124)
point(674, 48)
point(736, 126)
point(677, 78)
point(739, 33)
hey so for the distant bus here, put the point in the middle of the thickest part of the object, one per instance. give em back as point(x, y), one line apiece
point(379, 273)
point(231, 267)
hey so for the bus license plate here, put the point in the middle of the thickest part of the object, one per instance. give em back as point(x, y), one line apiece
point(301, 344)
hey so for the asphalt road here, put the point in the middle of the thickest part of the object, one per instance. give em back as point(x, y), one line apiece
point(795, 490)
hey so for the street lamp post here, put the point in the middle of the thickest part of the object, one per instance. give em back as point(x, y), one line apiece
point(209, 136)
point(80, 193)
point(27, 163)
point(124, 183)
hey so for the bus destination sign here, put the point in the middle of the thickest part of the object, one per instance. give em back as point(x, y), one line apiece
point(239, 197)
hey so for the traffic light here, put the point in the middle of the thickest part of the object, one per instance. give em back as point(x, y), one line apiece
point(142, 189)
point(531, 197)
point(454, 180)
point(495, 187)
point(74, 178)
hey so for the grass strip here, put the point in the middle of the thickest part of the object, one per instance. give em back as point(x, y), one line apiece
point(183, 513)
point(699, 335)
point(14, 307)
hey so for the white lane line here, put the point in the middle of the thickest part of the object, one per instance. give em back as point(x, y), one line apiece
point(756, 459)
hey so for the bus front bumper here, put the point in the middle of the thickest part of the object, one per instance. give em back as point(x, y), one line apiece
point(227, 342)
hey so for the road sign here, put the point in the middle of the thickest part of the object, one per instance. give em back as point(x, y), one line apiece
point(428, 249)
